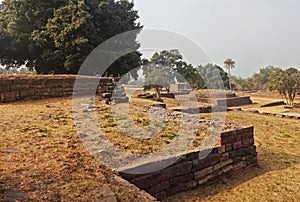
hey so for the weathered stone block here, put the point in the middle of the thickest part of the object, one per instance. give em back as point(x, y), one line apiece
point(224, 157)
point(202, 181)
point(56, 94)
point(11, 94)
point(248, 142)
point(227, 169)
point(6, 82)
point(59, 89)
point(158, 188)
point(214, 175)
point(148, 180)
point(237, 159)
point(181, 179)
point(182, 187)
point(226, 138)
point(228, 147)
point(239, 165)
point(240, 152)
point(192, 156)
point(26, 93)
point(237, 137)
point(201, 173)
point(36, 82)
point(222, 149)
point(222, 164)
point(237, 145)
point(177, 170)
point(21, 81)
point(210, 160)
point(18, 87)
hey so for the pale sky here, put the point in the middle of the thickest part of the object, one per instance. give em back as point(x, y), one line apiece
point(255, 33)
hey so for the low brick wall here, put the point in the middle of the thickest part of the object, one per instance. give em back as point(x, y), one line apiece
point(235, 101)
point(13, 88)
point(237, 151)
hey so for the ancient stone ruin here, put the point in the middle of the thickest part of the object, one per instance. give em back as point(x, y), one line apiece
point(235, 152)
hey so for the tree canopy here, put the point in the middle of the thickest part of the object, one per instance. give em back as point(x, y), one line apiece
point(55, 36)
point(178, 70)
point(208, 76)
point(286, 82)
point(212, 75)
point(262, 78)
point(258, 81)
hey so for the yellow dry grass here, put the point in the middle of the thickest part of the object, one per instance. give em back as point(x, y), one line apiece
point(277, 178)
point(163, 132)
point(41, 155)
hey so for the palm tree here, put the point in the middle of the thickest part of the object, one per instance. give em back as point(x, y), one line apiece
point(229, 64)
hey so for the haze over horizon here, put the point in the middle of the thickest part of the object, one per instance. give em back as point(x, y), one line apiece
point(253, 33)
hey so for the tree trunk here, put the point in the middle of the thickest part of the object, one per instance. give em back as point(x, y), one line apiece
point(229, 75)
point(157, 92)
point(291, 100)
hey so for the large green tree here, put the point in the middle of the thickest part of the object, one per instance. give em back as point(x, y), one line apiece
point(55, 36)
point(172, 61)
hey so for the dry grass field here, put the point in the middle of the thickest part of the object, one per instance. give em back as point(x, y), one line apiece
point(278, 176)
point(41, 155)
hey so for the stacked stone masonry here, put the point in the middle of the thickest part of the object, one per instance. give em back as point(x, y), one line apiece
point(13, 88)
point(237, 151)
point(234, 101)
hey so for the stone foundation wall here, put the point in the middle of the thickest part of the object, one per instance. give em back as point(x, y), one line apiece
point(237, 151)
point(13, 88)
point(235, 101)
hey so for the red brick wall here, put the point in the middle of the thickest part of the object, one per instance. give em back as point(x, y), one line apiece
point(13, 88)
point(237, 151)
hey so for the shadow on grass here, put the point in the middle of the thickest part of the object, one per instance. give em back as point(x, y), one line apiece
point(2, 190)
point(12, 195)
point(267, 161)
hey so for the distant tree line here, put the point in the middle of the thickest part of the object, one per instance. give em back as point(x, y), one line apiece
point(167, 67)
point(286, 82)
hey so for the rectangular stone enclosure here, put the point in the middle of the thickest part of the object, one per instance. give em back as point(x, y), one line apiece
point(237, 151)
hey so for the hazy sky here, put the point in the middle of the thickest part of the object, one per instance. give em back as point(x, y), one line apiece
point(255, 33)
